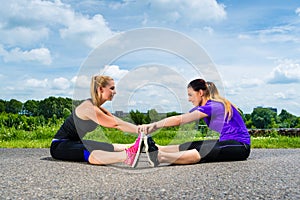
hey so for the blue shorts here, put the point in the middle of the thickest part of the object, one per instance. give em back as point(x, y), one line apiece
point(70, 150)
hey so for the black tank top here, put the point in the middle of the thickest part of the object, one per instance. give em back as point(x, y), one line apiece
point(75, 128)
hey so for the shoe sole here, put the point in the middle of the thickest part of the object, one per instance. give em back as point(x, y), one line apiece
point(137, 156)
point(147, 152)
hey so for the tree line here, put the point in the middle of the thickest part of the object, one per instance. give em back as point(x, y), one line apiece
point(52, 106)
point(265, 118)
point(16, 113)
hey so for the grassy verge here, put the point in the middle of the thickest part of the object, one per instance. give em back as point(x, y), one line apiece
point(275, 142)
point(163, 137)
point(39, 143)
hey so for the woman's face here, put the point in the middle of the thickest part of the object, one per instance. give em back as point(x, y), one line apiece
point(108, 91)
point(194, 97)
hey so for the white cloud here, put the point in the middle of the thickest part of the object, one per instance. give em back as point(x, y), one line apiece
point(151, 86)
point(81, 81)
point(61, 83)
point(288, 94)
point(208, 29)
point(42, 88)
point(35, 83)
point(280, 95)
point(297, 11)
point(23, 36)
point(41, 55)
point(244, 36)
point(250, 82)
point(287, 71)
point(172, 11)
point(117, 5)
point(188, 11)
point(114, 71)
point(285, 33)
point(91, 31)
point(81, 85)
point(27, 22)
point(32, 21)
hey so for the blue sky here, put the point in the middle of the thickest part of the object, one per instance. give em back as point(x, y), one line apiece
point(253, 44)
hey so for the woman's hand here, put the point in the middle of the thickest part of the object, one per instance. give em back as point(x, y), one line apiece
point(147, 128)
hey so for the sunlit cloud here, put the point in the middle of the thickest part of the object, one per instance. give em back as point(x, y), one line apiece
point(37, 19)
point(298, 11)
point(35, 83)
point(114, 71)
point(244, 36)
point(41, 55)
point(91, 31)
point(285, 72)
point(284, 33)
point(250, 82)
point(81, 81)
point(190, 11)
point(61, 83)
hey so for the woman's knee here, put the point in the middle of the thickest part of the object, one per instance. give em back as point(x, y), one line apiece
point(194, 156)
point(94, 159)
point(190, 157)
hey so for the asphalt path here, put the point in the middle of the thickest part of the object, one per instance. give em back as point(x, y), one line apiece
point(33, 174)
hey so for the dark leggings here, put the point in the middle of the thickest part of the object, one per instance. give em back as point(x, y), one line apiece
point(215, 150)
point(76, 150)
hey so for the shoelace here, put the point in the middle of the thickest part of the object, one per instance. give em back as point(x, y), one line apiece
point(130, 155)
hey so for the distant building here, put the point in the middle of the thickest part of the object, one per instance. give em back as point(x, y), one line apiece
point(120, 114)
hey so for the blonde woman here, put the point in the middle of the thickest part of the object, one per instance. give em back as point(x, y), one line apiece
point(220, 116)
point(68, 144)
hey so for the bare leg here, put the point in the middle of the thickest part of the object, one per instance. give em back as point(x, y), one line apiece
point(181, 157)
point(99, 157)
point(121, 147)
point(169, 148)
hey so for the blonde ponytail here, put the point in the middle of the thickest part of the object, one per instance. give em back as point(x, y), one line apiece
point(214, 95)
point(96, 82)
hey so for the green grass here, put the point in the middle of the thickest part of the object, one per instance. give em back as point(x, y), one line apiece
point(162, 137)
point(275, 142)
point(40, 143)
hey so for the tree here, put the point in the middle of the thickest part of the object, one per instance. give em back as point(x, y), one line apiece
point(287, 120)
point(263, 118)
point(152, 116)
point(170, 114)
point(31, 107)
point(66, 113)
point(47, 107)
point(137, 117)
point(248, 120)
point(13, 106)
point(54, 106)
point(297, 123)
point(2, 106)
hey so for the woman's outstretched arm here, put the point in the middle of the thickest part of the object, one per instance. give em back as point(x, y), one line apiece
point(172, 121)
point(104, 118)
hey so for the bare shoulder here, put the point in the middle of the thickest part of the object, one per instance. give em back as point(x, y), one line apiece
point(85, 109)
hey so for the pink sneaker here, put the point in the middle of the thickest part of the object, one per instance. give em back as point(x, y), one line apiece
point(133, 152)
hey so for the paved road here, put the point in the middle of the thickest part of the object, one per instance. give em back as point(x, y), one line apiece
point(33, 174)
